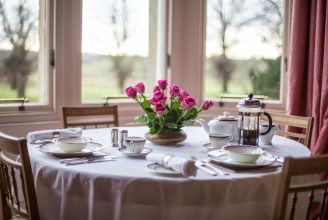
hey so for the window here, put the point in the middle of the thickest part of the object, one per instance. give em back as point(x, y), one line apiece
point(118, 46)
point(244, 48)
point(22, 50)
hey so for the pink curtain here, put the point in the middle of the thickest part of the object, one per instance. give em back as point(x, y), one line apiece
point(308, 79)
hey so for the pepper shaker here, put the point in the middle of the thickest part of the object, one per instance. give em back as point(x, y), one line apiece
point(114, 134)
point(123, 135)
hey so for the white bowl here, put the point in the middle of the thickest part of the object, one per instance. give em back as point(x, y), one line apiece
point(243, 153)
point(72, 144)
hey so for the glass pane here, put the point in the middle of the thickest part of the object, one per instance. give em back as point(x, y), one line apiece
point(22, 46)
point(115, 43)
point(243, 47)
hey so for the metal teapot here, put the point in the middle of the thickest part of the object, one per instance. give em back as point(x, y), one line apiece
point(222, 124)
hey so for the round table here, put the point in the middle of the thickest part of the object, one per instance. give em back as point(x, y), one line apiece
point(126, 189)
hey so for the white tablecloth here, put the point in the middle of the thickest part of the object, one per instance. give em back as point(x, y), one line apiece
point(126, 189)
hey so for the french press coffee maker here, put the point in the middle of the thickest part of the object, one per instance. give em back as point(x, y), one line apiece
point(249, 110)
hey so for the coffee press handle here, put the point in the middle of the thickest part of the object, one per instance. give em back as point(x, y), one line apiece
point(270, 123)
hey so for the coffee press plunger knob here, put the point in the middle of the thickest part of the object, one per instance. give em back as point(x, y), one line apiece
point(250, 96)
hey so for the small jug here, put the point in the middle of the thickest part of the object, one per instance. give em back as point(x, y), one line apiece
point(266, 139)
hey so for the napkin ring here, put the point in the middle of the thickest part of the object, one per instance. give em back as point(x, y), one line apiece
point(166, 159)
point(55, 133)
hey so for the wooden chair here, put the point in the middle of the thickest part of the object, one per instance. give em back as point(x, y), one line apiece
point(295, 121)
point(295, 167)
point(89, 111)
point(10, 171)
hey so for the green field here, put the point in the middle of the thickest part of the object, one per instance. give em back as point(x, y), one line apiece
point(31, 90)
point(99, 78)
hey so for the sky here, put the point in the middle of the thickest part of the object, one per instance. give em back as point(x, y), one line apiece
point(248, 39)
point(97, 32)
point(10, 6)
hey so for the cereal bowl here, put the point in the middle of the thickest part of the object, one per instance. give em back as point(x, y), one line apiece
point(72, 144)
point(243, 153)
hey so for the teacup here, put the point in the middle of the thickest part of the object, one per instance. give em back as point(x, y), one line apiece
point(267, 139)
point(220, 140)
point(135, 144)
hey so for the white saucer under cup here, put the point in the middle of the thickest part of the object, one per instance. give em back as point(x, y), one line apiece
point(144, 152)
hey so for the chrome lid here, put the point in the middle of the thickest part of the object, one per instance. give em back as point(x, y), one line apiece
point(250, 102)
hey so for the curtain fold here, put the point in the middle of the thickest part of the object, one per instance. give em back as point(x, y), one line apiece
point(308, 78)
point(308, 74)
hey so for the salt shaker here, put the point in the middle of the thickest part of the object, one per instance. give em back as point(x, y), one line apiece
point(114, 134)
point(123, 135)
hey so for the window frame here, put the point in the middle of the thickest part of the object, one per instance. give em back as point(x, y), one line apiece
point(64, 36)
point(184, 43)
point(281, 104)
point(11, 110)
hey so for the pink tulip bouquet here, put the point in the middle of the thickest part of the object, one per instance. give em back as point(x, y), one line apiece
point(163, 114)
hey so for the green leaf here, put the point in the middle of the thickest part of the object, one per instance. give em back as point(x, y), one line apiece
point(175, 105)
point(155, 120)
point(151, 116)
point(146, 104)
point(191, 114)
point(174, 115)
point(187, 116)
point(194, 111)
point(187, 123)
point(132, 123)
point(149, 110)
point(141, 120)
point(154, 129)
point(171, 125)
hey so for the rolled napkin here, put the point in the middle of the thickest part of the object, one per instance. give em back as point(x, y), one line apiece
point(32, 137)
point(179, 164)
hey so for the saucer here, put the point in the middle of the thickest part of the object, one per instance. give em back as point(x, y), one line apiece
point(144, 152)
point(55, 150)
point(157, 168)
point(221, 157)
point(208, 146)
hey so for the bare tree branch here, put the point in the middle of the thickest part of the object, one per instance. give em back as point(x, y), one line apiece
point(16, 66)
point(119, 18)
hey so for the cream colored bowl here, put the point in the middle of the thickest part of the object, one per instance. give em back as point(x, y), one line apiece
point(243, 153)
point(72, 144)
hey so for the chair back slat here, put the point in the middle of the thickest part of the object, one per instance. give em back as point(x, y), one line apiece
point(323, 202)
point(295, 167)
point(291, 120)
point(9, 192)
point(14, 186)
point(292, 209)
point(79, 113)
point(23, 187)
point(11, 172)
point(309, 205)
point(295, 121)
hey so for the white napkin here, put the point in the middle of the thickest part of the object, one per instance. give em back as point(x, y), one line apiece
point(32, 137)
point(179, 164)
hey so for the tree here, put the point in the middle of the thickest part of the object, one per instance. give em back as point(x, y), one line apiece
point(271, 16)
point(16, 66)
point(267, 81)
point(228, 15)
point(123, 65)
